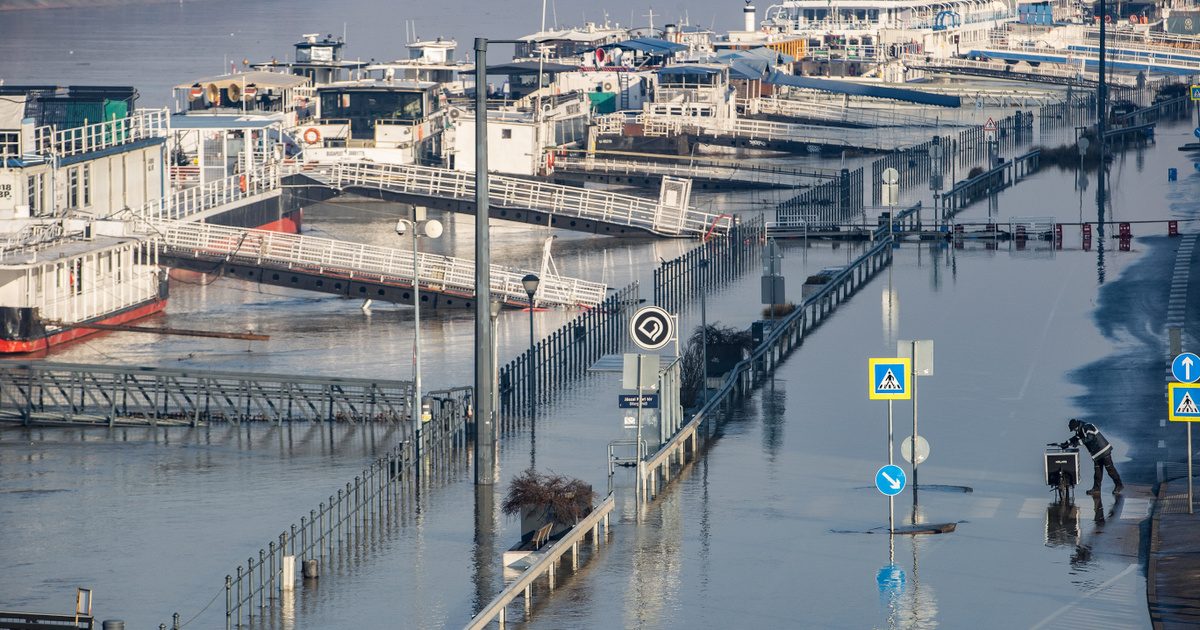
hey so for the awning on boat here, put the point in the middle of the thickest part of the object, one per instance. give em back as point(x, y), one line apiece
point(688, 70)
point(259, 78)
point(528, 68)
point(859, 89)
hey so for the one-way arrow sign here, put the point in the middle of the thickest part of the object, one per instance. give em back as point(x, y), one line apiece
point(890, 480)
point(1186, 368)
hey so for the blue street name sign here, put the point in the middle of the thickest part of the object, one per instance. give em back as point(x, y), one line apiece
point(890, 480)
point(1186, 368)
point(630, 401)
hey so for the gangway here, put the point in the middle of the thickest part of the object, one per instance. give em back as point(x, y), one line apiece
point(703, 175)
point(999, 69)
point(524, 200)
point(47, 393)
point(831, 111)
point(353, 269)
point(775, 136)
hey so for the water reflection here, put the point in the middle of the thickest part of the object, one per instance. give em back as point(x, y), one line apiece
point(890, 302)
point(1062, 524)
point(774, 406)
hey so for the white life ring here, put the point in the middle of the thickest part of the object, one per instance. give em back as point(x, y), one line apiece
point(312, 136)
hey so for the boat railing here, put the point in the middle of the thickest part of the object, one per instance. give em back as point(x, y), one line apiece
point(140, 125)
point(94, 295)
point(187, 202)
point(443, 274)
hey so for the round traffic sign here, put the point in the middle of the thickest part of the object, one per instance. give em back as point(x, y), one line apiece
point(1186, 368)
point(890, 480)
point(890, 176)
point(651, 328)
point(922, 449)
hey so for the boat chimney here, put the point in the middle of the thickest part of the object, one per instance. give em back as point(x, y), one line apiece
point(749, 17)
point(669, 33)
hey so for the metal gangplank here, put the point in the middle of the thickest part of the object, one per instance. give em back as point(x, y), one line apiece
point(762, 134)
point(524, 200)
point(49, 393)
point(704, 174)
point(353, 269)
point(832, 110)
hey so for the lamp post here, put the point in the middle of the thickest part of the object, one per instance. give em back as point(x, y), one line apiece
point(430, 229)
point(530, 282)
point(703, 264)
point(496, 305)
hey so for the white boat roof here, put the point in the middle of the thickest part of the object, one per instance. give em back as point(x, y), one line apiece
point(575, 35)
point(223, 121)
point(59, 250)
point(260, 78)
point(379, 84)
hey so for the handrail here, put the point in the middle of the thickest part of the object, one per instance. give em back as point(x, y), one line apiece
point(734, 172)
point(552, 554)
point(513, 192)
point(437, 273)
point(139, 125)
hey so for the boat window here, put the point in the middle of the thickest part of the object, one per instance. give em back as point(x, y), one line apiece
point(85, 183)
point(363, 109)
point(35, 195)
point(73, 187)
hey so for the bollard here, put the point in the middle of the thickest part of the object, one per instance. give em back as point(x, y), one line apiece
point(288, 581)
point(311, 570)
point(1172, 228)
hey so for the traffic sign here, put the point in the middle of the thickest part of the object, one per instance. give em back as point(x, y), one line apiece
point(1196, 92)
point(1186, 368)
point(1185, 402)
point(651, 328)
point(922, 449)
point(890, 176)
point(890, 480)
point(630, 401)
point(889, 378)
point(1196, 132)
point(990, 125)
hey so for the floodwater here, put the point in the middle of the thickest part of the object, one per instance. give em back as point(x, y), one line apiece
point(777, 525)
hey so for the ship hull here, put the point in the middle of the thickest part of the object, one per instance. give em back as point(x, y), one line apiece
point(41, 341)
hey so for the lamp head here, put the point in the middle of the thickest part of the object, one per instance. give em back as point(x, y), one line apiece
point(530, 282)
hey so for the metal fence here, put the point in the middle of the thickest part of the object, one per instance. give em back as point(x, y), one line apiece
point(989, 182)
point(566, 354)
point(914, 165)
point(1011, 131)
point(718, 260)
point(825, 206)
point(337, 527)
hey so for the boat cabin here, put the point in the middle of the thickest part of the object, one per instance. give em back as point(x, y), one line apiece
point(256, 91)
point(317, 58)
point(692, 89)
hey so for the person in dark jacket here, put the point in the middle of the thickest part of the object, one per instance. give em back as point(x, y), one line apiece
point(1101, 452)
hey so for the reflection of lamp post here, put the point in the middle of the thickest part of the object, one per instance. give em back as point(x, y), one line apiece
point(495, 360)
point(430, 229)
point(530, 282)
point(703, 264)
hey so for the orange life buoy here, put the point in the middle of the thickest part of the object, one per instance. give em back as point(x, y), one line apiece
point(1108, 19)
point(312, 136)
point(242, 182)
point(1133, 19)
point(550, 160)
point(1145, 19)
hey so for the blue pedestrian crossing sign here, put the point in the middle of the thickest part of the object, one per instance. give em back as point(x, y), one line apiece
point(1195, 89)
point(890, 480)
point(1186, 368)
point(889, 378)
point(1185, 402)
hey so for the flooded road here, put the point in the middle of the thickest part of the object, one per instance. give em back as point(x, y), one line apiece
point(777, 525)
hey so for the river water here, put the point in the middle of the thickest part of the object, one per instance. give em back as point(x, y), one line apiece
point(776, 526)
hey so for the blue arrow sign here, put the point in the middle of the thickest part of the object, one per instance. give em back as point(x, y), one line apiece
point(1196, 132)
point(1186, 368)
point(890, 480)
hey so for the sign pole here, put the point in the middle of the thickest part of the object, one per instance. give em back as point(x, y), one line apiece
point(640, 463)
point(912, 447)
point(1175, 338)
point(1191, 501)
point(891, 499)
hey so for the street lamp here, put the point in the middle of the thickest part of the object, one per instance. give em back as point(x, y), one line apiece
point(496, 306)
point(703, 264)
point(431, 229)
point(530, 282)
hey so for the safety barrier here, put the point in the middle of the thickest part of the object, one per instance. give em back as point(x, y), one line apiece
point(717, 260)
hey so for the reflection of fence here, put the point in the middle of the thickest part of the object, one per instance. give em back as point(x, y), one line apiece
point(566, 353)
point(338, 526)
point(784, 337)
point(828, 205)
point(914, 165)
point(717, 260)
